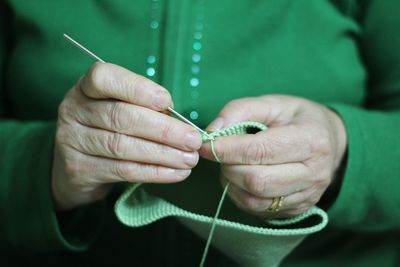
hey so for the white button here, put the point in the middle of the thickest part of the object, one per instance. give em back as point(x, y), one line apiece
point(194, 82)
point(197, 46)
point(154, 24)
point(150, 72)
point(151, 59)
point(196, 57)
point(194, 115)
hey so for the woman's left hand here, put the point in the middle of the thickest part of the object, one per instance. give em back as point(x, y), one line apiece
point(296, 157)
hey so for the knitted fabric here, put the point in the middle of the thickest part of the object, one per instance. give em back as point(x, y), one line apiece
point(240, 128)
point(248, 245)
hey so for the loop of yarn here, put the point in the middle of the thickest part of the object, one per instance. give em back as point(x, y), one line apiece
point(246, 127)
point(239, 128)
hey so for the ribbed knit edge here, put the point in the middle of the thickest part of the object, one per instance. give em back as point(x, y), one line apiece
point(136, 208)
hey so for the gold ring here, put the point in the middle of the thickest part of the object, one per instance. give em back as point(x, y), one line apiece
point(276, 204)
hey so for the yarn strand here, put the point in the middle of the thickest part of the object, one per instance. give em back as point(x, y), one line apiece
point(213, 225)
point(240, 128)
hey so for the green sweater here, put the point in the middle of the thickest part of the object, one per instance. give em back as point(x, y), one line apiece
point(341, 53)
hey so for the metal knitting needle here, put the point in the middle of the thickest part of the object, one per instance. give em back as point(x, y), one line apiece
point(186, 120)
point(91, 54)
point(84, 49)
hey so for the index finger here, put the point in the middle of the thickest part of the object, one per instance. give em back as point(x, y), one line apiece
point(283, 144)
point(106, 80)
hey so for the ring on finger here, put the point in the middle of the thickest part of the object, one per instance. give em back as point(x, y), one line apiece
point(276, 204)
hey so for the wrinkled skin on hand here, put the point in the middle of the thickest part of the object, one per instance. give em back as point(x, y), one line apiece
point(112, 127)
point(297, 157)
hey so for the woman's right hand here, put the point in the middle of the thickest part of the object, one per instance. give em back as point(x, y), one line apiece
point(112, 127)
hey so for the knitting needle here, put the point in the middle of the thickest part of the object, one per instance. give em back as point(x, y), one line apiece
point(91, 54)
point(84, 49)
point(186, 120)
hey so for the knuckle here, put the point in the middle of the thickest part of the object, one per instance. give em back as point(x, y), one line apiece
point(323, 180)
point(251, 203)
point(72, 166)
point(118, 116)
point(97, 74)
point(61, 135)
point(122, 118)
point(71, 169)
point(65, 134)
point(161, 150)
point(149, 173)
point(254, 184)
point(63, 109)
point(68, 109)
point(144, 150)
point(123, 171)
point(136, 84)
point(256, 152)
point(116, 145)
point(157, 171)
point(166, 130)
point(322, 144)
point(314, 197)
point(119, 88)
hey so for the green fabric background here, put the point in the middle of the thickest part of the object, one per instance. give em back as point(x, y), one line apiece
point(342, 53)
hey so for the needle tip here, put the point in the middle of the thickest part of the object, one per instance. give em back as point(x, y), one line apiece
point(81, 47)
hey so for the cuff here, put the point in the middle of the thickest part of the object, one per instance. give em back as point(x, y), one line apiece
point(75, 230)
point(345, 208)
point(31, 223)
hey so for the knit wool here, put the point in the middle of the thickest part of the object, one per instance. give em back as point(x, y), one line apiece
point(137, 208)
point(240, 128)
point(246, 127)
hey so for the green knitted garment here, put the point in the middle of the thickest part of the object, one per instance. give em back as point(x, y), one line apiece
point(248, 245)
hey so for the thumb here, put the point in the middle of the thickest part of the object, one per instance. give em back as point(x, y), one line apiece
point(271, 110)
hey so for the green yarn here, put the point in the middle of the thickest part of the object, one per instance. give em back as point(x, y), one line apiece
point(246, 127)
point(213, 225)
point(239, 128)
point(246, 244)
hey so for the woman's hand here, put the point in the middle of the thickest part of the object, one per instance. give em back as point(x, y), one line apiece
point(296, 157)
point(112, 127)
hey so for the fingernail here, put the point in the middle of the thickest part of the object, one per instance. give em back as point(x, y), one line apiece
point(193, 140)
point(191, 159)
point(216, 125)
point(182, 173)
point(161, 100)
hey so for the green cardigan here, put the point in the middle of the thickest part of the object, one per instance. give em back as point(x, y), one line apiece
point(342, 53)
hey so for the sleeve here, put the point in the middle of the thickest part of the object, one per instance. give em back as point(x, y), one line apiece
point(27, 217)
point(370, 193)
